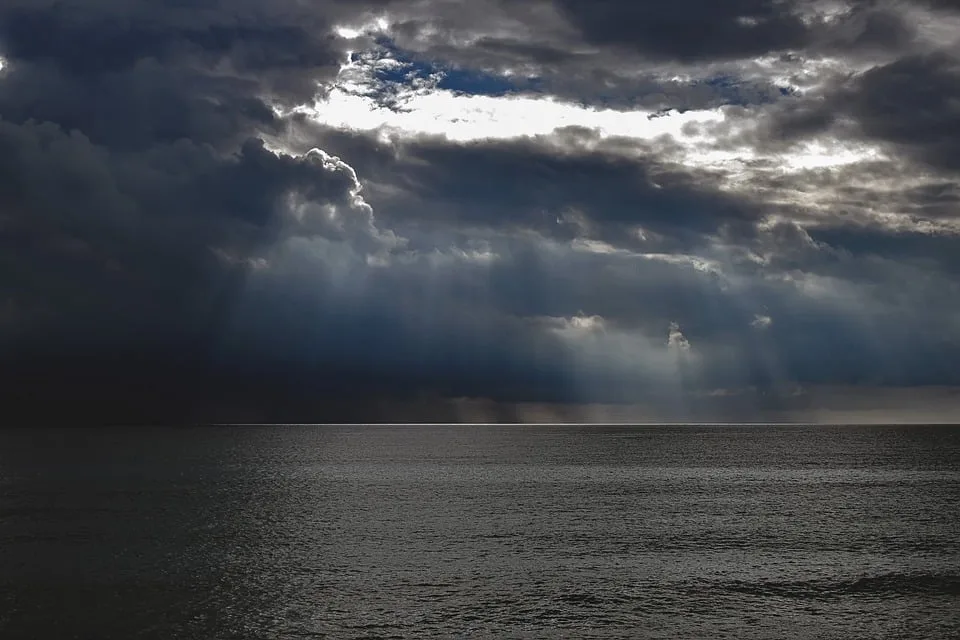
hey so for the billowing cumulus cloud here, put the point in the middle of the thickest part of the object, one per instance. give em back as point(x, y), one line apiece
point(437, 210)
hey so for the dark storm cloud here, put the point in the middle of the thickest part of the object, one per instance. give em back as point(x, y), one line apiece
point(134, 74)
point(130, 155)
point(108, 237)
point(860, 310)
point(909, 105)
point(935, 250)
point(944, 5)
point(130, 125)
point(532, 179)
point(136, 198)
point(701, 31)
point(160, 259)
point(92, 38)
point(567, 185)
point(913, 103)
point(690, 30)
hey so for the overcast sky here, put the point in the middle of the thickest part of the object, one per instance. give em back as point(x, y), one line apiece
point(336, 210)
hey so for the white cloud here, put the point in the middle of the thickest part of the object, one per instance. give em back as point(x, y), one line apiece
point(462, 118)
point(598, 246)
point(577, 325)
point(676, 340)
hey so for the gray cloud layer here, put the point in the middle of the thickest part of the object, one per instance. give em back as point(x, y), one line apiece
point(155, 237)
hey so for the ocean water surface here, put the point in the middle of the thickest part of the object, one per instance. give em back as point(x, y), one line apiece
point(480, 531)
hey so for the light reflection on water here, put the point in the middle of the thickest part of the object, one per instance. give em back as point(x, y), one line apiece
point(499, 531)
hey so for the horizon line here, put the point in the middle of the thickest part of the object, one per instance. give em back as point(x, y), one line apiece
point(574, 424)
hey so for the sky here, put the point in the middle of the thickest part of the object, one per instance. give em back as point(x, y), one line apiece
point(495, 210)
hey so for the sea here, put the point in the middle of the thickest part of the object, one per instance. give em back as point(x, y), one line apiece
point(472, 531)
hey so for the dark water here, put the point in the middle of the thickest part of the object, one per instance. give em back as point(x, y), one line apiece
point(506, 532)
